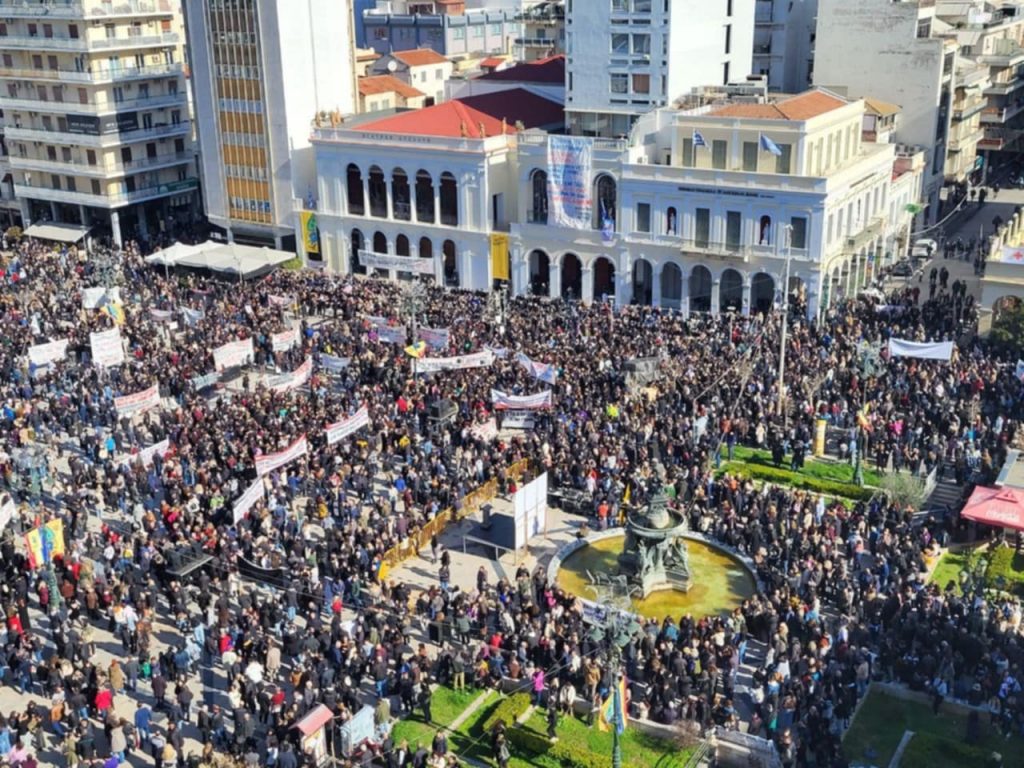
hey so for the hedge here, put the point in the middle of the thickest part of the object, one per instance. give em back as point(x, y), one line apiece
point(508, 711)
point(565, 752)
point(926, 750)
point(1004, 563)
point(785, 477)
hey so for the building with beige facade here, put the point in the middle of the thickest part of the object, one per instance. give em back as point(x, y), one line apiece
point(96, 114)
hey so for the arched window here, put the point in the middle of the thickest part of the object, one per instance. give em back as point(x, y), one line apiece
point(426, 248)
point(539, 189)
point(449, 200)
point(572, 277)
point(354, 185)
point(671, 286)
point(378, 190)
point(357, 246)
point(700, 289)
point(400, 200)
point(380, 243)
point(451, 267)
point(540, 272)
point(605, 199)
point(424, 197)
point(730, 291)
point(671, 221)
point(401, 245)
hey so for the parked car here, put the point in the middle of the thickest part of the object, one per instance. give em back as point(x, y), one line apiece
point(902, 269)
point(926, 243)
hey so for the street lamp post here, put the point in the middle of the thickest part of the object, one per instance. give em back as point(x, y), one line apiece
point(787, 230)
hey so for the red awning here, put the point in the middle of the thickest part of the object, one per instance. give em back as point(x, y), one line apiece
point(314, 720)
point(1001, 507)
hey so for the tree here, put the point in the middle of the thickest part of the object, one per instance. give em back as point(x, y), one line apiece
point(904, 490)
point(1008, 329)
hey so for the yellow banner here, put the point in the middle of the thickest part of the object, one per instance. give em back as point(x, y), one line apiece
point(499, 257)
point(310, 234)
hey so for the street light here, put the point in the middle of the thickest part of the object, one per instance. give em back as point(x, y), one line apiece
point(413, 299)
point(787, 234)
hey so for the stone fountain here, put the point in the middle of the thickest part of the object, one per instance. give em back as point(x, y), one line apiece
point(654, 555)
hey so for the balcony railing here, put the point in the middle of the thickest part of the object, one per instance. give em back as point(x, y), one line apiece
point(112, 200)
point(98, 76)
point(128, 8)
point(93, 140)
point(11, 103)
point(78, 168)
point(49, 9)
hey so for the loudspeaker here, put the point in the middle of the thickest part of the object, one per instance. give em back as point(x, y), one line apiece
point(442, 410)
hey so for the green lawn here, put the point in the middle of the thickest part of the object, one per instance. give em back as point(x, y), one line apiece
point(833, 471)
point(829, 479)
point(1005, 568)
point(949, 567)
point(445, 706)
point(876, 733)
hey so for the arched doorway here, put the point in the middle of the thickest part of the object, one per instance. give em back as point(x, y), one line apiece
point(451, 268)
point(426, 251)
point(402, 249)
point(604, 279)
point(378, 189)
point(700, 289)
point(424, 197)
point(643, 282)
point(400, 195)
point(354, 190)
point(730, 292)
point(539, 202)
point(671, 286)
point(357, 245)
point(449, 200)
point(540, 273)
point(762, 293)
point(572, 277)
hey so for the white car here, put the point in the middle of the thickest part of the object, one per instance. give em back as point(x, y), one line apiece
point(926, 244)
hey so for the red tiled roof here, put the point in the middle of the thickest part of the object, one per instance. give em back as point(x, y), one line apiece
point(373, 85)
point(550, 71)
point(419, 57)
point(451, 118)
point(801, 107)
point(492, 61)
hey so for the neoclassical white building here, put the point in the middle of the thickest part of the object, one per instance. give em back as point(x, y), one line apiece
point(774, 184)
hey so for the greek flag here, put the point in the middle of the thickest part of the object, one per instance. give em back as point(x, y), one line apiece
point(767, 145)
point(698, 139)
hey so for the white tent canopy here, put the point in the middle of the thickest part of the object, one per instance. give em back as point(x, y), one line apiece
point(233, 258)
point(61, 233)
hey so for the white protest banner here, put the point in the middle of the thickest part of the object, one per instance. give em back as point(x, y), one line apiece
point(391, 335)
point(569, 161)
point(486, 431)
point(207, 380)
point(279, 342)
point(459, 362)
point(334, 364)
point(927, 350)
point(505, 402)
point(288, 381)
point(435, 338)
point(7, 510)
point(50, 352)
point(375, 321)
point(342, 429)
point(233, 354)
point(417, 266)
point(268, 462)
point(517, 420)
point(138, 402)
point(543, 371)
point(192, 316)
point(499, 352)
point(106, 347)
point(245, 502)
point(162, 315)
point(280, 301)
point(145, 456)
point(94, 298)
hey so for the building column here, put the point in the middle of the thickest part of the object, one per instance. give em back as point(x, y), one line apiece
point(439, 270)
point(26, 211)
point(517, 271)
point(715, 296)
point(277, 242)
point(366, 196)
point(83, 216)
point(140, 217)
point(437, 201)
point(54, 211)
point(656, 285)
point(587, 285)
point(684, 302)
point(115, 228)
point(465, 262)
point(745, 301)
point(230, 235)
point(554, 279)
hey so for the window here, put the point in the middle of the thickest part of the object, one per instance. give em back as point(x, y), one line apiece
point(54, 181)
point(458, 33)
point(48, 30)
point(51, 62)
point(619, 83)
point(439, 74)
point(725, 73)
point(702, 228)
point(750, 152)
point(643, 217)
point(70, 181)
point(96, 187)
point(642, 44)
point(783, 161)
point(33, 30)
point(671, 221)
point(620, 5)
point(620, 43)
point(733, 230)
point(728, 38)
point(924, 27)
point(687, 158)
point(37, 61)
point(477, 30)
point(641, 6)
point(798, 235)
point(495, 29)
point(641, 83)
point(718, 154)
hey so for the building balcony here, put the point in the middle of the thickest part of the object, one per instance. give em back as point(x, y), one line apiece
point(91, 9)
point(854, 243)
point(536, 42)
point(113, 200)
point(104, 171)
point(11, 104)
point(1006, 53)
point(99, 76)
point(78, 44)
point(966, 142)
point(1005, 88)
point(1001, 115)
point(968, 109)
point(39, 9)
point(13, 133)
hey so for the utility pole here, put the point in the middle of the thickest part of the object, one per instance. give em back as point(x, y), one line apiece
point(787, 232)
point(412, 306)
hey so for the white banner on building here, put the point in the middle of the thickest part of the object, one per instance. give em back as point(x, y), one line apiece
point(140, 402)
point(268, 462)
point(279, 342)
point(333, 364)
point(928, 350)
point(288, 381)
point(505, 402)
point(417, 266)
point(106, 347)
point(245, 502)
point(233, 354)
point(146, 455)
point(569, 165)
point(435, 338)
point(94, 298)
point(342, 429)
point(459, 362)
point(50, 352)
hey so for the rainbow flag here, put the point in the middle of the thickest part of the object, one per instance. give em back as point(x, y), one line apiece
point(45, 543)
point(607, 715)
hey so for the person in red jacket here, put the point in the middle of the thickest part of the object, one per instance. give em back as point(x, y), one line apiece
point(104, 701)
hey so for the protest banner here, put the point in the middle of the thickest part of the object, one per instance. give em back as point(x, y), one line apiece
point(342, 429)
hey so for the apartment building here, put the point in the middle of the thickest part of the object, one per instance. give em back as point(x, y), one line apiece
point(542, 32)
point(96, 114)
point(261, 70)
point(447, 26)
point(627, 57)
point(424, 69)
point(784, 33)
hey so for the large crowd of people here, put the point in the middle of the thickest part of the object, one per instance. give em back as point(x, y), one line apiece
point(843, 599)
